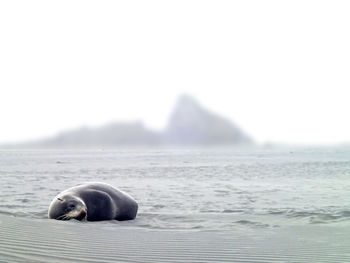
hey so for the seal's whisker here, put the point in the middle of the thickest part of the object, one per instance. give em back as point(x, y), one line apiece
point(60, 217)
point(63, 217)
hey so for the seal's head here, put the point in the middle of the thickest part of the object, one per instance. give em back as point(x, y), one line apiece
point(67, 207)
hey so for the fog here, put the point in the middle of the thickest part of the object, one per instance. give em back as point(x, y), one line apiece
point(190, 124)
point(277, 70)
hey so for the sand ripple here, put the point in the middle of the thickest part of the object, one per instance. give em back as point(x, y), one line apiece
point(33, 240)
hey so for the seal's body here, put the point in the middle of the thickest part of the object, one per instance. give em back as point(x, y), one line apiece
point(93, 202)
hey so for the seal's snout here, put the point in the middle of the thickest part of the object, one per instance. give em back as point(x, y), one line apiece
point(82, 214)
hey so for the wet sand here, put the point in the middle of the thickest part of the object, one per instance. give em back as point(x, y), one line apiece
point(43, 240)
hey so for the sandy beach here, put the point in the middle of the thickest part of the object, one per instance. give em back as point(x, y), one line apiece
point(195, 206)
point(34, 240)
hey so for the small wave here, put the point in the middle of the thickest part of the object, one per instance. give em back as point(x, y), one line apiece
point(329, 215)
point(209, 211)
point(39, 215)
point(7, 213)
point(158, 206)
point(23, 200)
point(232, 211)
point(16, 206)
point(252, 223)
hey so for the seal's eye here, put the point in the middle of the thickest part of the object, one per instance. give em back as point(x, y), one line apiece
point(60, 199)
point(70, 207)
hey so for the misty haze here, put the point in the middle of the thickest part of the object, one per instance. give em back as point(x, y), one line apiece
point(190, 124)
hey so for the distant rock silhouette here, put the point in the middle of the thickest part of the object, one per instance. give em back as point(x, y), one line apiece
point(189, 124)
point(111, 135)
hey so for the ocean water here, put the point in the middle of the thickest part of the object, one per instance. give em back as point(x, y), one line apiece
point(190, 189)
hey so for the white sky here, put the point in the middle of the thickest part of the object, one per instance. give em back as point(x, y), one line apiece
point(279, 69)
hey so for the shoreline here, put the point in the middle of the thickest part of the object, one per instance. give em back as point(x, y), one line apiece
point(39, 240)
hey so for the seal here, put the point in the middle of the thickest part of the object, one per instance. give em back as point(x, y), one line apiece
point(93, 202)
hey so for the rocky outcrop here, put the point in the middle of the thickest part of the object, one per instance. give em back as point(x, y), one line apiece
point(189, 124)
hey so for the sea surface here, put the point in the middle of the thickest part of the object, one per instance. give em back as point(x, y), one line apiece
point(190, 189)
